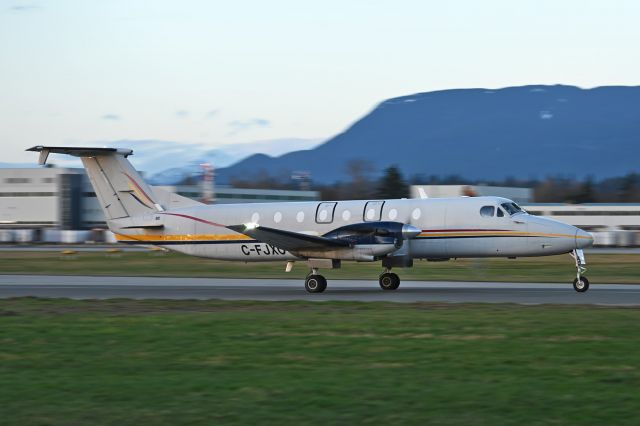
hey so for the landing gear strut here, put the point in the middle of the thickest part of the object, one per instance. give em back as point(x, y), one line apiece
point(389, 280)
point(580, 283)
point(315, 283)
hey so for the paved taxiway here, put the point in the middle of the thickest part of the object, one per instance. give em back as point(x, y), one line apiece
point(79, 287)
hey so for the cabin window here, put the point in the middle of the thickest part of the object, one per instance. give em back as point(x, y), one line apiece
point(511, 208)
point(487, 211)
point(500, 212)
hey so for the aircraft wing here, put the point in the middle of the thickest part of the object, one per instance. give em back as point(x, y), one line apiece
point(287, 240)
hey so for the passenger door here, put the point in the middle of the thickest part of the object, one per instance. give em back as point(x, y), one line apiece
point(514, 239)
point(497, 230)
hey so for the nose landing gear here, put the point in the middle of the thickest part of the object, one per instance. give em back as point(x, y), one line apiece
point(580, 283)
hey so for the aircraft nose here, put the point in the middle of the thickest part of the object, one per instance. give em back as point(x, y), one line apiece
point(584, 239)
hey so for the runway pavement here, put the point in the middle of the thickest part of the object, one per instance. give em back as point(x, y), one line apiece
point(82, 287)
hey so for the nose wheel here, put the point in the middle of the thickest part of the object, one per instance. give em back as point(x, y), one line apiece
point(389, 281)
point(580, 283)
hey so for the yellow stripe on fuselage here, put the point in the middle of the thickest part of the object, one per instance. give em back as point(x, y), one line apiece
point(185, 237)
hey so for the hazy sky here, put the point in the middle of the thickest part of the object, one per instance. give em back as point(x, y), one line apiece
point(221, 72)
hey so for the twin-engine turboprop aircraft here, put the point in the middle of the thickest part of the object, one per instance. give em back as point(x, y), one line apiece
point(324, 233)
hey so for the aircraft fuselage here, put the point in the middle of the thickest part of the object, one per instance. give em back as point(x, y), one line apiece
point(450, 228)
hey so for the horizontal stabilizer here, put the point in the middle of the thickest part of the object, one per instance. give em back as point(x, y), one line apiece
point(77, 151)
point(287, 240)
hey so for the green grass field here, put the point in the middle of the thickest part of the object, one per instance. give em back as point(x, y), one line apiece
point(603, 268)
point(124, 362)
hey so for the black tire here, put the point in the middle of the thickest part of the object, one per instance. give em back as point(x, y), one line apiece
point(389, 281)
point(396, 280)
point(315, 284)
point(324, 284)
point(582, 285)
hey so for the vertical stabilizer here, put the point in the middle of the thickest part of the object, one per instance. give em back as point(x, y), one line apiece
point(118, 186)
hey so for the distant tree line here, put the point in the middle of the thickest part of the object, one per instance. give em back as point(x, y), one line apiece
point(363, 185)
point(359, 186)
point(625, 189)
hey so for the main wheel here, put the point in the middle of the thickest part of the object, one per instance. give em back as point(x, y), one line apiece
point(315, 283)
point(581, 285)
point(389, 281)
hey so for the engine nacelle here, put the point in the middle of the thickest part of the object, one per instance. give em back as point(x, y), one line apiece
point(375, 233)
point(368, 241)
point(358, 252)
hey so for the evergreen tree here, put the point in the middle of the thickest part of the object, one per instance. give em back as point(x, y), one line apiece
point(392, 184)
point(586, 193)
point(629, 188)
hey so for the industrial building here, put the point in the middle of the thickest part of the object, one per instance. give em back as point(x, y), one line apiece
point(48, 197)
point(519, 195)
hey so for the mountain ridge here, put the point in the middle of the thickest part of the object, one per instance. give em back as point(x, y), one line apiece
point(528, 131)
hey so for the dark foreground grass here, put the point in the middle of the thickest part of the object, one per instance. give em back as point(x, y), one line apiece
point(187, 362)
point(603, 268)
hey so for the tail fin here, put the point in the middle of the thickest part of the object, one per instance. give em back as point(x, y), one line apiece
point(118, 186)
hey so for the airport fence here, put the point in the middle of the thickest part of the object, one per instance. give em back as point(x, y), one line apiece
point(56, 236)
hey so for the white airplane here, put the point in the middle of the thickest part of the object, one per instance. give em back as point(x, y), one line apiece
point(321, 233)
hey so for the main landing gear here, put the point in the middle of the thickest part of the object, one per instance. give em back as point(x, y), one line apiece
point(580, 283)
point(315, 283)
point(389, 280)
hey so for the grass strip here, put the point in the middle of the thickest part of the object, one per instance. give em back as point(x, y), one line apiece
point(132, 362)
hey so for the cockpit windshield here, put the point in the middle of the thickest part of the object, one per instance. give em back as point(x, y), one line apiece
point(512, 208)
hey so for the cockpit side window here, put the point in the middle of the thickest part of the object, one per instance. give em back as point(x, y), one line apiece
point(512, 208)
point(487, 211)
point(500, 212)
